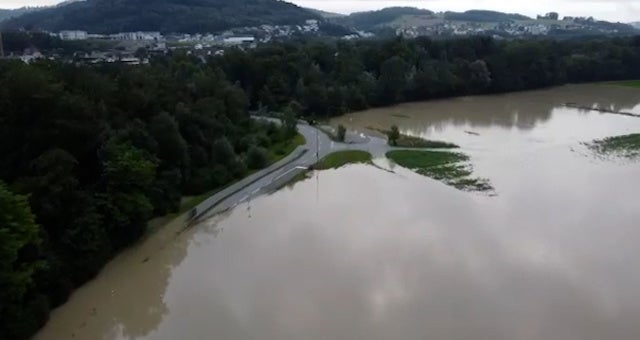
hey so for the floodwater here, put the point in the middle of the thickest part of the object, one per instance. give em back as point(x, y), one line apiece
point(363, 253)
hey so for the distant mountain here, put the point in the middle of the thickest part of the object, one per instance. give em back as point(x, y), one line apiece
point(635, 24)
point(326, 15)
point(12, 13)
point(483, 16)
point(185, 16)
point(410, 16)
point(67, 2)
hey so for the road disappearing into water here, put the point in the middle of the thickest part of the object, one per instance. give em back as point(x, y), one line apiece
point(317, 145)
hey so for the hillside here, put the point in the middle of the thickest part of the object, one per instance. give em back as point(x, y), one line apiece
point(186, 16)
point(373, 19)
point(11, 13)
point(483, 16)
point(325, 14)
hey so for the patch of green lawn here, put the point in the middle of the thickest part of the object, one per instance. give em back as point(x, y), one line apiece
point(451, 168)
point(341, 158)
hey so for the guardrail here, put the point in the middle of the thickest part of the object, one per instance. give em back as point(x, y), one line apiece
point(210, 203)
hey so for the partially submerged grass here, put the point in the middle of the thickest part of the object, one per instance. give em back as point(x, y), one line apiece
point(406, 141)
point(627, 146)
point(332, 161)
point(450, 168)
point(299, 177)
point(628, 83)
point(342, 158)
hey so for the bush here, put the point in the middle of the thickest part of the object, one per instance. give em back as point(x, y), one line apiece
point(257, 157)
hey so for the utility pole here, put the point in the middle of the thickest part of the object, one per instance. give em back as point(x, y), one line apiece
point(317, 146)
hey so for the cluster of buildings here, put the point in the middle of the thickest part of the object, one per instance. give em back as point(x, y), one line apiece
point(453, 28)
point(239, 36)
point(543, 25)
point(132, 36)
point(134, 48)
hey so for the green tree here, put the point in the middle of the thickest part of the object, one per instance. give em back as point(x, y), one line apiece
point(393, 135)
point(342, 132)
point(257, 157)
point(289, 122)
point(393, 80)
point(128, 174)
point(18, 231)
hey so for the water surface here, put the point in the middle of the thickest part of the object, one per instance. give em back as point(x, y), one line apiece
point(362, 253)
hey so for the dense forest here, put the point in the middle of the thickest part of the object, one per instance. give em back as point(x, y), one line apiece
point(331, 79)
point(185, 16)
point(89, 154)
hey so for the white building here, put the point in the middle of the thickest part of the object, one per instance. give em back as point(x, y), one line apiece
point(155, 36)
point(73, 35)
point(239, 40)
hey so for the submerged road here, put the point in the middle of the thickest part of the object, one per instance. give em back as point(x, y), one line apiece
point(317, 145)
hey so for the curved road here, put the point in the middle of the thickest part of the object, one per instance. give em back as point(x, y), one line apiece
point(316, 147)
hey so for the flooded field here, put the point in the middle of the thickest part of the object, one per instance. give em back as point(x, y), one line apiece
point(363, 253)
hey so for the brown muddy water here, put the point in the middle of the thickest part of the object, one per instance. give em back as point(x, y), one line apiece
point(362, 253)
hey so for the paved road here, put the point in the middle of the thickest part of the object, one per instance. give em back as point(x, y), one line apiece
point(318, 145)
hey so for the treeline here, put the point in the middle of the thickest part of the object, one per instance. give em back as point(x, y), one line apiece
point(484, 16)
point(18, 41)
point(169, 16)
point(328, 79)
point(89, 154)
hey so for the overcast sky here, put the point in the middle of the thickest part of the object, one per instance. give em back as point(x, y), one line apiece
point(613, 10)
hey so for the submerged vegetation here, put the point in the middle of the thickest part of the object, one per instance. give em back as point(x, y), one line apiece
point(407, 141)
point(342, 158)
point(628, 83)
point(395, 138)
point(451, 168)
point(627, 146)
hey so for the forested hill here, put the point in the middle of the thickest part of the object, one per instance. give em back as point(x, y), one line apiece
point(483, 16)
point(11, 13)
point(185, 16)
point(369, 19)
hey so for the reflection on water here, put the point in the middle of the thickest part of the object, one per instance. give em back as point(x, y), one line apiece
point(361, 253)
point(521, 110)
